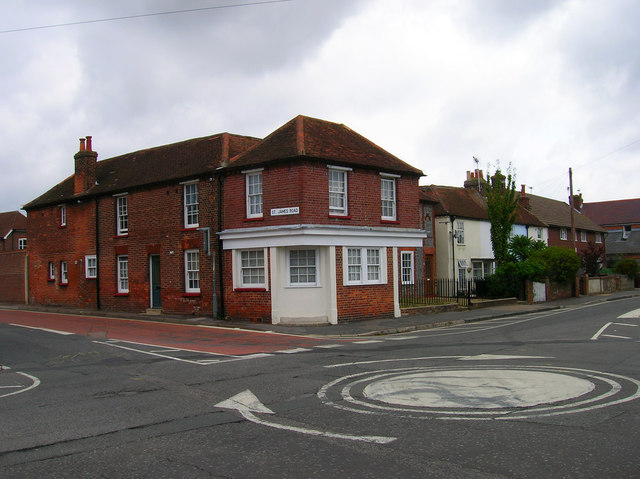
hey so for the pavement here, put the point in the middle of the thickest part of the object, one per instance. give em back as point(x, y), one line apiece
point(372, 327)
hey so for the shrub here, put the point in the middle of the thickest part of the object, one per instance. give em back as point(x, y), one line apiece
point(560, 264)
point(627, 266)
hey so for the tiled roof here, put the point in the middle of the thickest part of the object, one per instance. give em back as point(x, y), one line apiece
point(619, 212)
point(176, 161)
point(321, 140)
point(558, 214)
point(614, 243)
point(12, 220)
point(469, 203)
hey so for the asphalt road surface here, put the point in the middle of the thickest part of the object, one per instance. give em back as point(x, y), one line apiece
point(552, 394)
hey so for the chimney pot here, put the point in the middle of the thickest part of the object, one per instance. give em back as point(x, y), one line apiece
point(82, 147)
point(89, 147)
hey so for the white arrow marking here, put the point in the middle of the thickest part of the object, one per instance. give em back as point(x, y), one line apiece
point(246, 403)
point(631, 314)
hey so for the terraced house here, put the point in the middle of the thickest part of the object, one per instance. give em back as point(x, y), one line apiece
point(314, 223)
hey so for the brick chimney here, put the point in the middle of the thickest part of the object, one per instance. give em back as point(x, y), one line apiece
point(577, 202)
point(474, 179)
point(523, 200)
point(85, 167)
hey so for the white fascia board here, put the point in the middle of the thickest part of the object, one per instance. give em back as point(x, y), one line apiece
point(8, 234)
point(316, 235)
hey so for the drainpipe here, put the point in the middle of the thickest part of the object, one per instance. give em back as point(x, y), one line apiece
point(218, 243)
point(453, 249)
point(97, 256)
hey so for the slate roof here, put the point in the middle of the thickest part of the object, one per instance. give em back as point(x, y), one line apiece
point(614, 244)
point(469, 203)
point(558, 214)
point(323, 141)
point(609, 213)
point(11, 220)
point(172, 162)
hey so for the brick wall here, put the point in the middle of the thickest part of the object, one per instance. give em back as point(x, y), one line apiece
point(306, 185)
point(12, 275)
point(251, 304)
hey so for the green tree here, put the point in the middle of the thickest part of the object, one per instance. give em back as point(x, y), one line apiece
point(592, 257)
point(520, 248)
point(627, 266)
point(502, 209)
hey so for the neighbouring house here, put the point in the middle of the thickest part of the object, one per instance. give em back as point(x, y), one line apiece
point(463, 230)
point(13, 244)
point(558, 216)
point(13, 231)
point(314, 223)
point(621, 222)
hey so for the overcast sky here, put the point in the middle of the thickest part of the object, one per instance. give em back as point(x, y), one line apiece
point(543, 84)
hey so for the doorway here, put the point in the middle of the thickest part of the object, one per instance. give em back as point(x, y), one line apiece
point(154, 279)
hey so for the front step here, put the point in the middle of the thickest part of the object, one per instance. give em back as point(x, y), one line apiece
point(154, 311)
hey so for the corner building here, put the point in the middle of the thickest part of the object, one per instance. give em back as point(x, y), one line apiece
point(313, 224)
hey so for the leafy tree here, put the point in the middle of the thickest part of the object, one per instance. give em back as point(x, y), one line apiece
point(592, 257)
point(502, 209)
point(520, 248)
point(560, 264)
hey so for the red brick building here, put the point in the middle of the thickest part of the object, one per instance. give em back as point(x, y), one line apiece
point(232, 225)
point(13, 244)
point(13, 231)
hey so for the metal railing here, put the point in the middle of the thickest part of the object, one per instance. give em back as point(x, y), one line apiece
point(439, 291)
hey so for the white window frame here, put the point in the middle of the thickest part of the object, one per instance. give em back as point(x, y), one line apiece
point(407, 267)
point(583, 236)
point(191, 271)
point(91, 266)
point(22, 243)
point(626, 231)
point(64, 272)
point(388, 202)
point(63, 215)
point(357, 261)
point(52, 271)
point(539, 233)
point(123, 273)
point(459, 232)
point(254, 196)
point(122, 215)
point(291, 267)
point(564, 234)
point(239, 277)
point(598, 237)
point(338, 189)
point(191, 208)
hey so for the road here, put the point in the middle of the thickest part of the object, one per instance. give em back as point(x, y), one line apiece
point(552, 394)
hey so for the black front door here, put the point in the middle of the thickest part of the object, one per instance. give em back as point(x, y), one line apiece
point(156, 290)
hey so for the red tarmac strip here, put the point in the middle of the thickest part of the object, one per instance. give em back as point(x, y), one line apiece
point(196, 338)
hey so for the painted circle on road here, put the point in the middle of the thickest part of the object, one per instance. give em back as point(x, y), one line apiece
point(16, 382)
point(479, 392)
point(475, 388)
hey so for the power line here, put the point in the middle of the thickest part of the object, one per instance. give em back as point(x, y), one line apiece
point(143, 15)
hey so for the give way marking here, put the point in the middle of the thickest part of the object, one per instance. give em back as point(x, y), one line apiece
point(635, 314)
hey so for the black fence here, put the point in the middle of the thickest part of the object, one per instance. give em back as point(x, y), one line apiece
point(439, 291)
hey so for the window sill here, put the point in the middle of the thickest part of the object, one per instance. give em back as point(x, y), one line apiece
point(90, 277)
point(121, 236)
point(249, 290)
point(389, 222)
point(257, 218)
point(190, 228)
point(51, 280)
point(64, 284)
point(191, 295)
point(121, 295)
point(61, 227)
point(340, 217)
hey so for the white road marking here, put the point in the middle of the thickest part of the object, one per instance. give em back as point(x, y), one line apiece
point(479, 357)
point(627, 324)
point(329, 346)
point(398, 338)
point(597, 335)
point(65, 333)
point(614, 336)
point(246, 403)
point(490, 357)
point(293, 351)
point(630, 314)
point(370, 341)
point(35, 382)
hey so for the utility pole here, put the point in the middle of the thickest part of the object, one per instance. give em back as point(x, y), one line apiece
point(573, 222)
